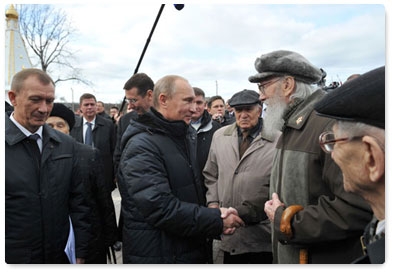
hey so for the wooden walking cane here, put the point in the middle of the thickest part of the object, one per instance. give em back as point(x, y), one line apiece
point(286, 228)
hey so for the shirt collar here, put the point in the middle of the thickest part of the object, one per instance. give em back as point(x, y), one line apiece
point(92, 122)
point(24, 130)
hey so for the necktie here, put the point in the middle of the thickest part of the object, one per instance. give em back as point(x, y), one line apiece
point(244, 144)
point(34, 147)
point(88, 134)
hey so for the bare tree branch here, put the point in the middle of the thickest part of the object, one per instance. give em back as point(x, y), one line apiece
point(48, 32)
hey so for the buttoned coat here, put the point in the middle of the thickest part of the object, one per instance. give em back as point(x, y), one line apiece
point(104, 139)
point(242, 184)
point(332, 221)
point(40, 199)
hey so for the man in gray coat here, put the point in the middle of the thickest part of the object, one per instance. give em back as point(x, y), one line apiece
point(329, 226)
point(237, 175)
point(42, 188)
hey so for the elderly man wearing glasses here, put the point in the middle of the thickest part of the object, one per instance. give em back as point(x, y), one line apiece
point(357, 145)
point(313, 219)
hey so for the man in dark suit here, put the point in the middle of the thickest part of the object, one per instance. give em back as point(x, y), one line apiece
point(42, 189)
point(100, 133)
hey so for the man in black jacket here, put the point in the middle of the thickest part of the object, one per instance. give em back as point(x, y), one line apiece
point(205, 128)
point(98, 196)
point(42, 190)
point(138, 94)
point(162, 197)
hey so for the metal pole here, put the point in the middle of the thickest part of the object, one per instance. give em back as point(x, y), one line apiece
point(145, 48)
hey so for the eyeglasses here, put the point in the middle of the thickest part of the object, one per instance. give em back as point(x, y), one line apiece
point(131, 101)
point(262, 86)
point(327, 141)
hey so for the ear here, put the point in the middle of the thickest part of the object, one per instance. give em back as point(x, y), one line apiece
point(150, 94)
point(375, 159)
point(288, 86)
point(12, 97)
point(162, 100)
point(260, 111)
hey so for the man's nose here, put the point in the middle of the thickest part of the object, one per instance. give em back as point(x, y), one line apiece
point(43, 107)
point(193, 107)
point(262, 97)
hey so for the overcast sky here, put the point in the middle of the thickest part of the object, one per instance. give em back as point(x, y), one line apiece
point(214, 46)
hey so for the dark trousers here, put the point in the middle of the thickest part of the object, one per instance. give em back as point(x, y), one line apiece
point(249, 258)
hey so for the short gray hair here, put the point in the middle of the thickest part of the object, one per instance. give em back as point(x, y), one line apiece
point(167, 86)
point(302, 91)
point(361, 129)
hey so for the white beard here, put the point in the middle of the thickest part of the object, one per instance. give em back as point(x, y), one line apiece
point(275, 109)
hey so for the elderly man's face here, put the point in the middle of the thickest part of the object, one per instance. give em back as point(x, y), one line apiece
point(247, 116)
point(348, 156)
point(276, 106)
point(58, 124)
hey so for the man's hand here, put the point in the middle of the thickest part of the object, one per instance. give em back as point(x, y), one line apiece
point(217, 117)
point(231, 220)
point(272, 205)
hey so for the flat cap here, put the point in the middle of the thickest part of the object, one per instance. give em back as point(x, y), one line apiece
point(60, 110)
point(284, 62)
point(359, 100)
point(245, 97)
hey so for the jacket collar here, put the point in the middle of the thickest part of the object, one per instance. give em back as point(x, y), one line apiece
point(299, 111)
point(232, 129)
point(14, 135)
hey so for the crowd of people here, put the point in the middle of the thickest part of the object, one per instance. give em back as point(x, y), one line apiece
point(289, 174)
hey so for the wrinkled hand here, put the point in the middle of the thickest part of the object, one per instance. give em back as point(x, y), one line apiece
point(272, 205)
point(231, 220)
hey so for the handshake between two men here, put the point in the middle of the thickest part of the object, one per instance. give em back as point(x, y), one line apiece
point(230, 219)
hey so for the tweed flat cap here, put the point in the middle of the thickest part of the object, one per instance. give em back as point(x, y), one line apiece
point(283, 62)
point(359, 100)
point(245, 97)
point(60, 110)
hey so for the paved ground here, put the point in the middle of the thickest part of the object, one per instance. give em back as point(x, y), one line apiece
point(217, 253)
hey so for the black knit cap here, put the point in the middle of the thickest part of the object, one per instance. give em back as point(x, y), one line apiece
point(245, 97)
point(359, 100)
point(60, 110)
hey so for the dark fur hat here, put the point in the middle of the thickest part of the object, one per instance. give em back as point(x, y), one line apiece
point(60, 110)
point(283, 62)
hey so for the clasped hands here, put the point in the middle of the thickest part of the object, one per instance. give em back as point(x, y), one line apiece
point(231, 220)
point(230, 217)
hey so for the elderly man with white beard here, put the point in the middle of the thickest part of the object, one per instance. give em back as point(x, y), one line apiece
point(313, 219)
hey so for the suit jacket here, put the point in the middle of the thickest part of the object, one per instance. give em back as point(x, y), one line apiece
point(104, 140)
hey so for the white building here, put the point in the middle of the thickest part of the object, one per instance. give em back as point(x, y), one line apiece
point(16, 56)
